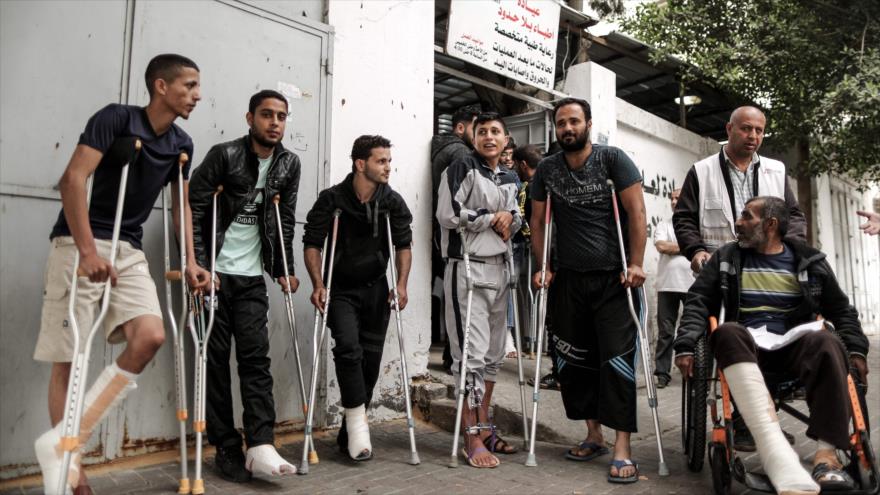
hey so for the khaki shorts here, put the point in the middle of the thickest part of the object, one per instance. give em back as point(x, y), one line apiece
point(134, 296)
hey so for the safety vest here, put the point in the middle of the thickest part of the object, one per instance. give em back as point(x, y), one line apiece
point(716, 203)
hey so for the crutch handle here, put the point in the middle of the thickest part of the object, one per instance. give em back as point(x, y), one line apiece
point(276, 199)
point(137, 145)
point(173, 275)
point(182, 159)
point(219, 189)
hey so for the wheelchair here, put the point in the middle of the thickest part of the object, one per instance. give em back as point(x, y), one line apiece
point(706, 395)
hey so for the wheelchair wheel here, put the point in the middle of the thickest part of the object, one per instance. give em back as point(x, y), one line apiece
point(694, 394)
point(721, 480)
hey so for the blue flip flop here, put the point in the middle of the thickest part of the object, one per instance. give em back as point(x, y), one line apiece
point(620, 464)
point(596, 450)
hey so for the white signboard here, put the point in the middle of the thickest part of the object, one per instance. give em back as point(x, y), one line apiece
point(515, 38)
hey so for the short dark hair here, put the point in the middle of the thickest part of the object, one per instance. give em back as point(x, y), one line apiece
point(511, 143)
point(166, 66)
point(465, 115)
point(262, 95)
point(572, 101)
point(773, 207)
point(363, 147)
point(529, 154)
point(489, 117)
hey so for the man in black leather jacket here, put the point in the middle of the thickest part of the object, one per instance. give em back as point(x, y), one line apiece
point(252, 170)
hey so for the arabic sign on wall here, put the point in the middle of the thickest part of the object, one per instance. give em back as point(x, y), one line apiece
point(515, 38)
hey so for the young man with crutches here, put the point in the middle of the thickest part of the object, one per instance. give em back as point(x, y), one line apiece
point(358, 210)
point(477, 210)
point(83, 236)
point(594, 334)
point(252, 170)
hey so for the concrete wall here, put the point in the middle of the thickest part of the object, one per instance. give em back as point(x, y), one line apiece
point(384, 84)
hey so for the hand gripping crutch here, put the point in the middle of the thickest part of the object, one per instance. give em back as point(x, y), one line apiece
point(514, 288)
point(201, 334)
point(73, 403)
point(541, 306)
point(318, 345)
point(644, 339)
point(404, 374)
point(178, 335)
point(291, 322)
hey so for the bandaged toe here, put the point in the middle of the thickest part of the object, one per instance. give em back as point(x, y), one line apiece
point(49, 455)
point(264, 459)
point(780, 461)
point(359, 447)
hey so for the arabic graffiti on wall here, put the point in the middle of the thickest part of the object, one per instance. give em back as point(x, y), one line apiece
point(515, 38)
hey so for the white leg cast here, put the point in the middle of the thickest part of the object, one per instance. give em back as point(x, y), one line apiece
point(48, 452)
point(264, 459)
point(780, 461)
point(359, 447)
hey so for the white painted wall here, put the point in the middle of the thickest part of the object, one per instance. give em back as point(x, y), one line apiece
point(383, 83)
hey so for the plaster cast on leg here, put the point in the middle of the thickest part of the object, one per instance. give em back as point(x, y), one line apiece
point(781, 462)
point(109, 389)
point(359, 446)
point(264, 459)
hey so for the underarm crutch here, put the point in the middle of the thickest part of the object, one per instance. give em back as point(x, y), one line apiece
point(201, 334)
point(514, 288)
point(540, 322)
point(178, 335)
point(644, 338)
point(404, 374)
point(318, 345)
point(291, 322)
point(74, 401)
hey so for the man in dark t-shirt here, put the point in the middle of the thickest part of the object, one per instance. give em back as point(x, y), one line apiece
point(594, 336)
point(84, 228)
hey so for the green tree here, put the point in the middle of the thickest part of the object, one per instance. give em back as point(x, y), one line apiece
point(812, 65)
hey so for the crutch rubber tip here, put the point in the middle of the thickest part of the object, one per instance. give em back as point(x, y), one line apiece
point(531, 461)
point(414, 459)
point(313, 457)
point(173, 275)
point(303, 468)
point(663, 470)
point(453, 461)
point(198, 487)
point(184, 486)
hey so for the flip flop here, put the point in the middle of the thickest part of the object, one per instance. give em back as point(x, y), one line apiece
point(498, 445)
point(477, 451)
point(620, 464)
point(596, 450)
point(832, 479)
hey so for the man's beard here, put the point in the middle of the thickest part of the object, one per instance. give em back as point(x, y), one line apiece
point(263, 141)
point(754, 241)
point(579, 143)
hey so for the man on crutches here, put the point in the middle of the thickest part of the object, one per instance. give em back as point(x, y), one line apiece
point(358, 311)
point(87, 228)
point(477, 211)
point(253, 170)
point(594, 334)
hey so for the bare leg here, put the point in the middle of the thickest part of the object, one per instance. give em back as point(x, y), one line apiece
point(474, 442)
point(145, 335)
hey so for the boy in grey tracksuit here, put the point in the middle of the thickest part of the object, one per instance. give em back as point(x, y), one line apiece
point(479, 187)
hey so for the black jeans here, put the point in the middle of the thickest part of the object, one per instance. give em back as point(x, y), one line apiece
point(242, 314)
point(667, 316)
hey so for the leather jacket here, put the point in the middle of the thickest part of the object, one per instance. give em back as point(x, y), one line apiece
point(235, 166)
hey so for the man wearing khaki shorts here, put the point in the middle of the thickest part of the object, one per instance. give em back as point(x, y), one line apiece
point(134, 315)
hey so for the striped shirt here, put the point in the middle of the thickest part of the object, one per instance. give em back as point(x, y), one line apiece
point(742, 182)
point(770, 290)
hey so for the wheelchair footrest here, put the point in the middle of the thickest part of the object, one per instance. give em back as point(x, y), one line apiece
point(755, 481)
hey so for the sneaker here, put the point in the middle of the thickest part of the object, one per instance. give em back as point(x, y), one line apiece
point(229, 463)
point(663, 381)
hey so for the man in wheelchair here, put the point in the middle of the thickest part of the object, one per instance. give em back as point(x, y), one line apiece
point(769, 284)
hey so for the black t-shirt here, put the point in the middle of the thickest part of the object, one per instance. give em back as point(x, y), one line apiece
point(155, 167)
point(586, 237)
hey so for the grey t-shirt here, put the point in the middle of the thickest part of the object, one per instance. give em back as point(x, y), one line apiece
point(586, 237)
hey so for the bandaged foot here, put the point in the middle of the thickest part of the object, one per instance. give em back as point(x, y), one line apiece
point(109, 389)
point(359, 447)
point(264, 459)
point(780, 461)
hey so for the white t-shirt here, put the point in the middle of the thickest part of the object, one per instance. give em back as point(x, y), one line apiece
point(241, 253)
point(674, 272)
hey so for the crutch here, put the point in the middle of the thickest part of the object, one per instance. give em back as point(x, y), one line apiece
point(318, 345)
point(541, 318)
point(470, 284)
point(73, 403)
point(533, 307)
point(178, 335)
point(404, 374)
point(644, 339)
point(201, 333)
point(291, 322)
point(514, 288)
